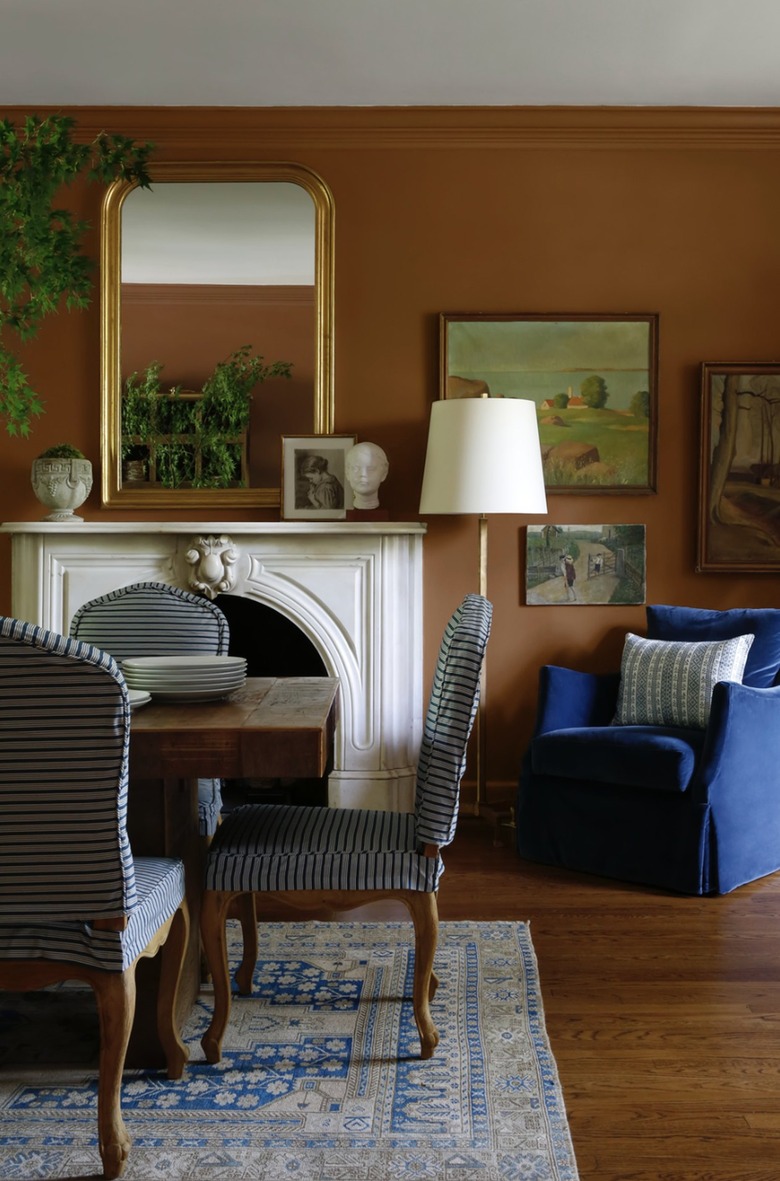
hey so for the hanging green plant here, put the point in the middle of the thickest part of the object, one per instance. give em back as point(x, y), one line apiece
point(227, 393)
point(41, 258)
point(194, 438)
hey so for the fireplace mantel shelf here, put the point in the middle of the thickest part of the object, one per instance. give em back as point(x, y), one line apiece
point(354, 588)
point(326, 528)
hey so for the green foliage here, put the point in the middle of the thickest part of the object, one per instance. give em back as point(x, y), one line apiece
point(196, 438)
point(41, 258)
point(227, 393)
point(627, 536)
point(640, 404)
point(594, 392)
point(561, 401)
point(62, 451)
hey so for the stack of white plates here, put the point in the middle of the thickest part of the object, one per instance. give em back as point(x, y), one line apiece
point(185, 678)
point(138, 697)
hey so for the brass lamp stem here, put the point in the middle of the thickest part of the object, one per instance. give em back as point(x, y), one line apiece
point(481, 720)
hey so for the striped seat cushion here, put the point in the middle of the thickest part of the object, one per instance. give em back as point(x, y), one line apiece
point(160, 890)
point(64, 727)
point(284, 847)
point(450, 717)
point(155, 619)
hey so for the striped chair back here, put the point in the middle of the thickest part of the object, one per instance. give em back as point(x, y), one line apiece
point(152, 619)
point(64, 732)
point(448, 722)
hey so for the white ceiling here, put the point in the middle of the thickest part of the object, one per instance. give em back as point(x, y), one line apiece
point(389, 52)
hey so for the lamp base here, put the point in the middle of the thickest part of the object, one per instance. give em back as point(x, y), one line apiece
point(500, 815)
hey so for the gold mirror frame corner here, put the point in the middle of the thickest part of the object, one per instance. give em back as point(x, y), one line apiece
point(113, 495)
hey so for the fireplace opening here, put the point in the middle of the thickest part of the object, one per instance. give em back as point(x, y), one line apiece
point(273, 646)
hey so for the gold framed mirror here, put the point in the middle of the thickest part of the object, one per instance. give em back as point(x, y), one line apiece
point(230, 257)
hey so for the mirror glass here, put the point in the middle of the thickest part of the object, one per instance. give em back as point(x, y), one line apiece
point(213, 264)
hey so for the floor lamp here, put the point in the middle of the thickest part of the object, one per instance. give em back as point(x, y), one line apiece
point(483, 457)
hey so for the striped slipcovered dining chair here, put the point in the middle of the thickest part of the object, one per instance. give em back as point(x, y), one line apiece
point(341, 857)
point(155, 619)
point(74, 902)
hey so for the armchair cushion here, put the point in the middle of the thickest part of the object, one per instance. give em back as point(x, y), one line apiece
point(670, 683)
point(662, 759)
point(762, 667)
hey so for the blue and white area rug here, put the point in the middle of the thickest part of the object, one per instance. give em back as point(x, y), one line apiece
point(320, 1078)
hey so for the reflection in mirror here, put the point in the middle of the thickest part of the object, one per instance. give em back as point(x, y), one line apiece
point(213, 264)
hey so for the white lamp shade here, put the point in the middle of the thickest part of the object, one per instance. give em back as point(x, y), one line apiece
point(483, 456)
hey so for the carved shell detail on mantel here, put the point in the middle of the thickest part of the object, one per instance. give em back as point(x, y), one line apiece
point(213, 561)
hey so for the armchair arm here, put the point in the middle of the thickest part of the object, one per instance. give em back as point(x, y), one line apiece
point(569, 698)
point(739, 785)
point(741, 756)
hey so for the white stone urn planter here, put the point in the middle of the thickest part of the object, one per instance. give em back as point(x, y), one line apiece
point(62, 482)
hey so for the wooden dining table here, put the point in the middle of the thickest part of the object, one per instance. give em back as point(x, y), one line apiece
point(273, 727)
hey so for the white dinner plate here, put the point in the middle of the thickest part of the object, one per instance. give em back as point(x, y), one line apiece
point(146, 680)
point(193, 696)
point(138, 697)
point(184, 663)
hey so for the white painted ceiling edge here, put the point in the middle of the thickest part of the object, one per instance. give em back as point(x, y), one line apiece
point(261, 53)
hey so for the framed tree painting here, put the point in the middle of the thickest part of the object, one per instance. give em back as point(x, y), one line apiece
point(593, 379)
point(584, 565)
point(739, 470)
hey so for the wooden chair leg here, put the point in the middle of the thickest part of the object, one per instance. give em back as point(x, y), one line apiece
point(247, 915)
point(115, 996)
point(172, 952)
point(434, 986)
point(213, 917)
point(425, 915)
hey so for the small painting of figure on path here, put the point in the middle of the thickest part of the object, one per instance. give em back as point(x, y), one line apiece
point(570, 565)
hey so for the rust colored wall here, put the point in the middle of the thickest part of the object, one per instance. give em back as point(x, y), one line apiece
point(190, 328)
point(604, 210)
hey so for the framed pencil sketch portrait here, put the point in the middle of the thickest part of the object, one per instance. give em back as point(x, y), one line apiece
point(739, 470)
point(584, 565)
point(314, 484)
point(594, 379)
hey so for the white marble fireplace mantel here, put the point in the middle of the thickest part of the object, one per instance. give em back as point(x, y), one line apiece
point(354, 588)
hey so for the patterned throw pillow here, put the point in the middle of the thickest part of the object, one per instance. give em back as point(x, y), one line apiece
point(670, 683)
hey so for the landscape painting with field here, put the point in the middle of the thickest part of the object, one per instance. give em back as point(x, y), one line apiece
point(593, 380)
point(570, 565)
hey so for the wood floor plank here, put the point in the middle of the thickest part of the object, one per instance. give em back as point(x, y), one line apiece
point(663, 1011)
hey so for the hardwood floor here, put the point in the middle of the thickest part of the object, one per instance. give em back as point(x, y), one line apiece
point(663, 1011)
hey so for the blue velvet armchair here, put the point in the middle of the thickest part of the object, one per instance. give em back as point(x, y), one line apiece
point(695, 809)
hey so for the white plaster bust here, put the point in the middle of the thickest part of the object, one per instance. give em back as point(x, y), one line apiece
point(366, 467)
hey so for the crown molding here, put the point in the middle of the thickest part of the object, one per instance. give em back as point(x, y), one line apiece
point(265, 295)
point(230, 132)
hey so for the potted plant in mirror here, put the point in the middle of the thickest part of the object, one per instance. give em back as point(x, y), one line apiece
point(62, 481)
point(193, 438)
